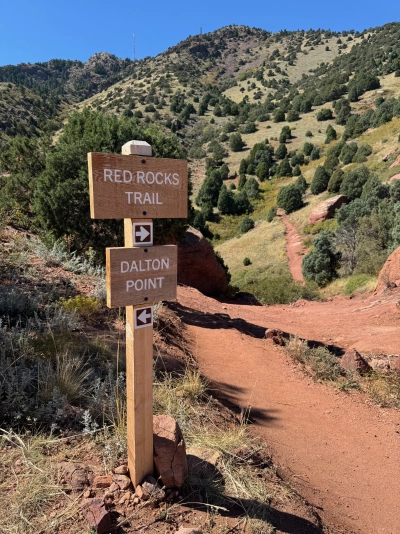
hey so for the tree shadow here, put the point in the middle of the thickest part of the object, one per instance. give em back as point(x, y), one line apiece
point(206, 484)
point(216, 321)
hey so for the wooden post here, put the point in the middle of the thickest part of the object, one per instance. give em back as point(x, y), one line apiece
point(139, 369)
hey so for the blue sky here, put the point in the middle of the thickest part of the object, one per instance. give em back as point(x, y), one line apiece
point(32, 31)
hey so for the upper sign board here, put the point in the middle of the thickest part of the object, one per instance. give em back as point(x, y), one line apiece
point(133, 187)
point(141, 275)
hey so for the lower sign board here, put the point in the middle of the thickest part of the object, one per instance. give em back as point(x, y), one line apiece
point(143, 317)
point(141, 275)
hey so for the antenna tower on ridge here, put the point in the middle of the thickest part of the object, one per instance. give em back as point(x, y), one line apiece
point(201, 31)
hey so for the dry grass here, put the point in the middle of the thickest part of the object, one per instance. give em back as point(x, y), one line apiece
point(29, 488)
point(264, 245)
point(384, 389)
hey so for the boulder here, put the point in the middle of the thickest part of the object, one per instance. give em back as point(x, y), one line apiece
point(353, 361)
point(153, 489)
point(326, 209)
point(395, 163)
point(96, 515)
point(389, 276)
point(122, 480)
point(381, 365)
point(395, 365)
point(198, 266)
point(169, 451)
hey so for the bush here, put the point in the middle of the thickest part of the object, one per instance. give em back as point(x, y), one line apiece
point(320, 265)
point(246, 224)
point(289, 198)
point(308, 133)
point(81, 304)
point(248, 128)
point(324, 114)
point(281, 151)
point(252, 188)
point(271, 214)
point(236, 142)
point(320, 181)
point(331, 134)
point(292, 116)
point(315, 154)
point(348, 152)
point(246, 262)
point(335, 181)
point(242, 181)
point(357, 282)
point(284, 168)
point(281, 290)
point(279, 115)
point(307, 148)
point(262, 171)
point(353, 182)
point(301, 184)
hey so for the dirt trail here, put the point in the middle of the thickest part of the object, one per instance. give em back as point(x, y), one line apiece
point(294, 247)
point(341, 452)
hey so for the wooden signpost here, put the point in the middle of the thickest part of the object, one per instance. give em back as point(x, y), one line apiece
point(137, 188)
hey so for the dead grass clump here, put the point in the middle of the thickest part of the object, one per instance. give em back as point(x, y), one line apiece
point(383, 389)
point(323, 364)
point(28, 487)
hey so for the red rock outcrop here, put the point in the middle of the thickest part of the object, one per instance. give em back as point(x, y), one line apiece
point(326, 209)
point(389, 277)
point(198, 266)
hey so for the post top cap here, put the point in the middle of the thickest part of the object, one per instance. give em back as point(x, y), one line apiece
point(138, 148)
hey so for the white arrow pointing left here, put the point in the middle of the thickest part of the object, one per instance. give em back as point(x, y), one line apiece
point(144, 316)
point(142, 233)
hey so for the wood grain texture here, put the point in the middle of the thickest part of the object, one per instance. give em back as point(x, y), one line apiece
point(139, 399)
point(141, 275)
point(142, 187)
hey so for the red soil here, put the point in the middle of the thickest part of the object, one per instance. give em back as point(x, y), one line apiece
point(339, 450)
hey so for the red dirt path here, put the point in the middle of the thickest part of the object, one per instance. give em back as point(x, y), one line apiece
point(340, 450)
point(294, 247)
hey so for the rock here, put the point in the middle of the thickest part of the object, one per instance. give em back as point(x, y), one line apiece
point(189, 530)
point(96, 515)
point(87, 494)
point(353, 361)
point(326, 209)
point(126, 497)
point(395, 177)
point(395, 365)
point(389, 276)
point(73, 475)
point(380, 365)
point(276, 335)
point(102, 481)
point(142, 494)
point(395, 163)
point(121, 470)
point(153, 489)
point(123, 481)
point(198, 266)
point(169, 451)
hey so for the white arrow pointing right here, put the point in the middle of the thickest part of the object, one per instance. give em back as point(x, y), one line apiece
point(142, 233)
point(144, 316)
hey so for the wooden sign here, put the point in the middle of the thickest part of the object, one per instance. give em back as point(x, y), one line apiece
point(137, 187)
point(141, 275)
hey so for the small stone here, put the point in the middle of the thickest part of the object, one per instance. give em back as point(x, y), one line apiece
point(102, 481)
point(109, 495)
point(150, 485)
point(142, 493)
point(87, 494)
point(114, 487)
point(136, 500)
point(123, 481)
point(121, 470)
point(125, 498)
